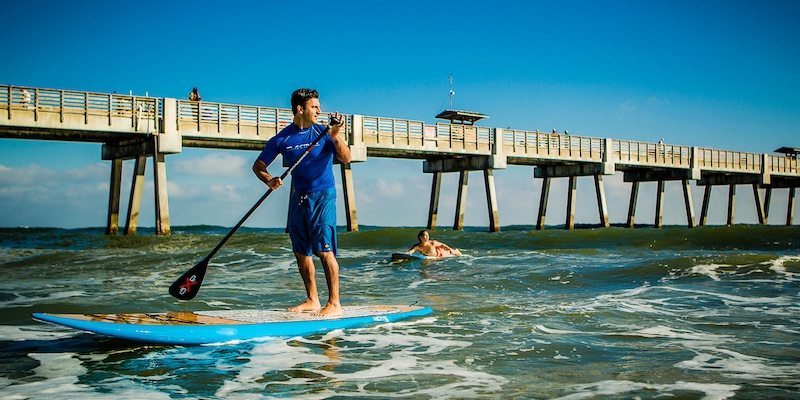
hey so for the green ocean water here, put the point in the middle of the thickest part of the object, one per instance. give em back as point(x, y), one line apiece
point(704, 313)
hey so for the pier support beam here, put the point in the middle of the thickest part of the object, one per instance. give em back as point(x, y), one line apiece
point(543, 203)
point(433, 209)
point(139, 149)
point(687, 200)
point(731, 202)
point(573, 171)
point(160, 189)
point(115, 186)
point(349, 198)
point(632, 204)
point(661, 176)
point(571, 200)
point(602, 206)
point(759, 205)
point(135, 203)
point(782, 182)
point(461, 202)
point(704, 210)
point(463, 165)
point(659, 217)
point(767, 198)
point(491, 200)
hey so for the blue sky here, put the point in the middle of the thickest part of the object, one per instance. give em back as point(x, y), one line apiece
point(722, 74)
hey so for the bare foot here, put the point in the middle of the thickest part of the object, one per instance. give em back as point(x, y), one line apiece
point(308, 305)
point(330, 310)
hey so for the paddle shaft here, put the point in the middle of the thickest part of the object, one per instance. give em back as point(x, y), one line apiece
point(264, 197)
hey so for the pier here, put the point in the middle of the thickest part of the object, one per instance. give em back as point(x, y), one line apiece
point(140, 128)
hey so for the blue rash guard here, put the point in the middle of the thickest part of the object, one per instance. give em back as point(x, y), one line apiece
point(315, 172)
point(312, 205)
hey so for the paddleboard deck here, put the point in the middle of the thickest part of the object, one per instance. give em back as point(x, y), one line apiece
point(203, 327)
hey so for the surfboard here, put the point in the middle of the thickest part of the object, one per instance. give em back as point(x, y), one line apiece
point(417, 256)
point(406, 256)
point(203, 327)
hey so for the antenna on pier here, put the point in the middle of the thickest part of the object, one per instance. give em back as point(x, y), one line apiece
point(459, 116)
point(452, 92)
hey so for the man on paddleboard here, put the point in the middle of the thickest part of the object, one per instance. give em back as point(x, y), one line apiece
point(312, 204)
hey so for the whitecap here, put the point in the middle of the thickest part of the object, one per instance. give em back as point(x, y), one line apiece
point(734, 364)
point(709, 270)
point(414, 285)
point(778, 265)
point(29, 301)
point(618, 388)
point(41, 332)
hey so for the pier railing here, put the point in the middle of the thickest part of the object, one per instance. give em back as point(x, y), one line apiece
point(728, 161)
point(651, 154)
point(80, 109)
point(221, 120)
point(404, 134)
point(535, 144)
point(783, 165)
point(99, 115)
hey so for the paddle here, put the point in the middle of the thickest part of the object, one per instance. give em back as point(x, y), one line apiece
point(187, 286)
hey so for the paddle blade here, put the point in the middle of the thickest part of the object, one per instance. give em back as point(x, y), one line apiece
point(187, 286)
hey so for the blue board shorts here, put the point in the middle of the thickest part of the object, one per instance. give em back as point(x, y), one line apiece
point(312, 222)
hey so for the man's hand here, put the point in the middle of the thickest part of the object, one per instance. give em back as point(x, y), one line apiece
point(339, 141)
point(275, 183)
point(336, 123)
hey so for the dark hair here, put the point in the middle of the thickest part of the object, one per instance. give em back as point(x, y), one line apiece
point(301, 96)
point(419, 235)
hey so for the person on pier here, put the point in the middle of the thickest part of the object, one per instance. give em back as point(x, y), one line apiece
point(312, 204)
point(432, 248)
point(194, 95)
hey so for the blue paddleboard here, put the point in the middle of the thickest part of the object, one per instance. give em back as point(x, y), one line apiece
point(406, 256)
point(226, 325)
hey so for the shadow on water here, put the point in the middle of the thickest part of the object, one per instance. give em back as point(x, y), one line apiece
point(16, 360)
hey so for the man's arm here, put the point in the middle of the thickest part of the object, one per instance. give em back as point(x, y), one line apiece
point(446, 247)
point(260, 169)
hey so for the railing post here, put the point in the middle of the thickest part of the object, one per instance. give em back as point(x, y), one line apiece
point(170, 140)
point(766, 169)
point(199, 106)
point(110, 107)
point(9, 101)
point(36, 104)
point(258, 121)
point(61, 108)
point(694, 163)
point(608, 157)
point(357, 133)
point(86, 108)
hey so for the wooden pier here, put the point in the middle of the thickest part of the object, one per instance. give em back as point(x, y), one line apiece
point(138, 128)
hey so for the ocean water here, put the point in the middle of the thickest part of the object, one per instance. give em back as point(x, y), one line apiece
point(705, 313)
